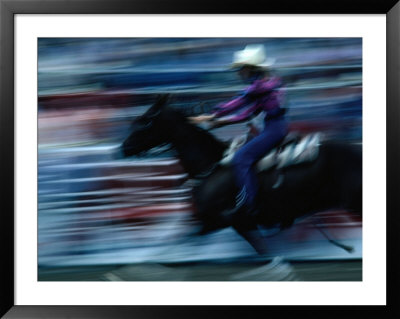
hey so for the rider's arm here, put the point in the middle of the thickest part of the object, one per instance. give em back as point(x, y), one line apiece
point(242, 116)
point(230, 106)
point(221, 114)
point(260, 87)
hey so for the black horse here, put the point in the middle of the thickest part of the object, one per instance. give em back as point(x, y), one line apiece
point(333, 180)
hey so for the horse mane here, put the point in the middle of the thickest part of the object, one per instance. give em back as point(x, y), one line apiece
point(202, 136)
point(197, 148)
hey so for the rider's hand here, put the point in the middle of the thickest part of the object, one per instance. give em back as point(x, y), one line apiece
point(201, 118)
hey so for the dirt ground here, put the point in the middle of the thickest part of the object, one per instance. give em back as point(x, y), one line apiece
point(276, 270)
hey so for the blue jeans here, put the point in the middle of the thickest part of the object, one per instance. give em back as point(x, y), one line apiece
point(274, 131)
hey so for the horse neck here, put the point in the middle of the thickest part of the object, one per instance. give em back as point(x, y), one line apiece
point(197, 149)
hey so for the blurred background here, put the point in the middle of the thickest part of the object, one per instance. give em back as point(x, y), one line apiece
point(102, 219)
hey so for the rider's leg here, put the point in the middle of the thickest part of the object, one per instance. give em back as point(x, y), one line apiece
point(245, 219)
point(250, 153)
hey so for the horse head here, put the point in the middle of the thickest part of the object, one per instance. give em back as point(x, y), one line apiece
point(197, 149)
point(146, 130)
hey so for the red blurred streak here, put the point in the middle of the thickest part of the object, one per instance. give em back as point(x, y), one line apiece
point(309, 126)
point(88, 99)
point(127, 214)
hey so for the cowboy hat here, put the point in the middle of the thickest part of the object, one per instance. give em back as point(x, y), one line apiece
point(254, 55)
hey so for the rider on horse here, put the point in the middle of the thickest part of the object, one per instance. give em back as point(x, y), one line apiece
point(264, 94)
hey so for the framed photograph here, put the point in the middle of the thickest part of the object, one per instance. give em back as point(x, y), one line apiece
point(192, 159)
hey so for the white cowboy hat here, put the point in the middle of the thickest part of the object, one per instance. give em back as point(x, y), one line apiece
point(253, 54)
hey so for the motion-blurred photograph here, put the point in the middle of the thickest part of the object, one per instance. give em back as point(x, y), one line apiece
point(200, 159)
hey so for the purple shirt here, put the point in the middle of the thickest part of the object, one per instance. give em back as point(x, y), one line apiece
point(261, 95)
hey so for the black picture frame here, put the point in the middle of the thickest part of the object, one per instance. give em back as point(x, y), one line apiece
point(8, 10)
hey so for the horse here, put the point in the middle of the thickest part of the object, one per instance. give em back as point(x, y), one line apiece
point(333, 180)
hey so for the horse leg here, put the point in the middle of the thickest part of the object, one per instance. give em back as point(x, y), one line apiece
point(246, 226)
point(213, 221)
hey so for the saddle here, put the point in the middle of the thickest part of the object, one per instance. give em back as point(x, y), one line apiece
point(292, 150)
